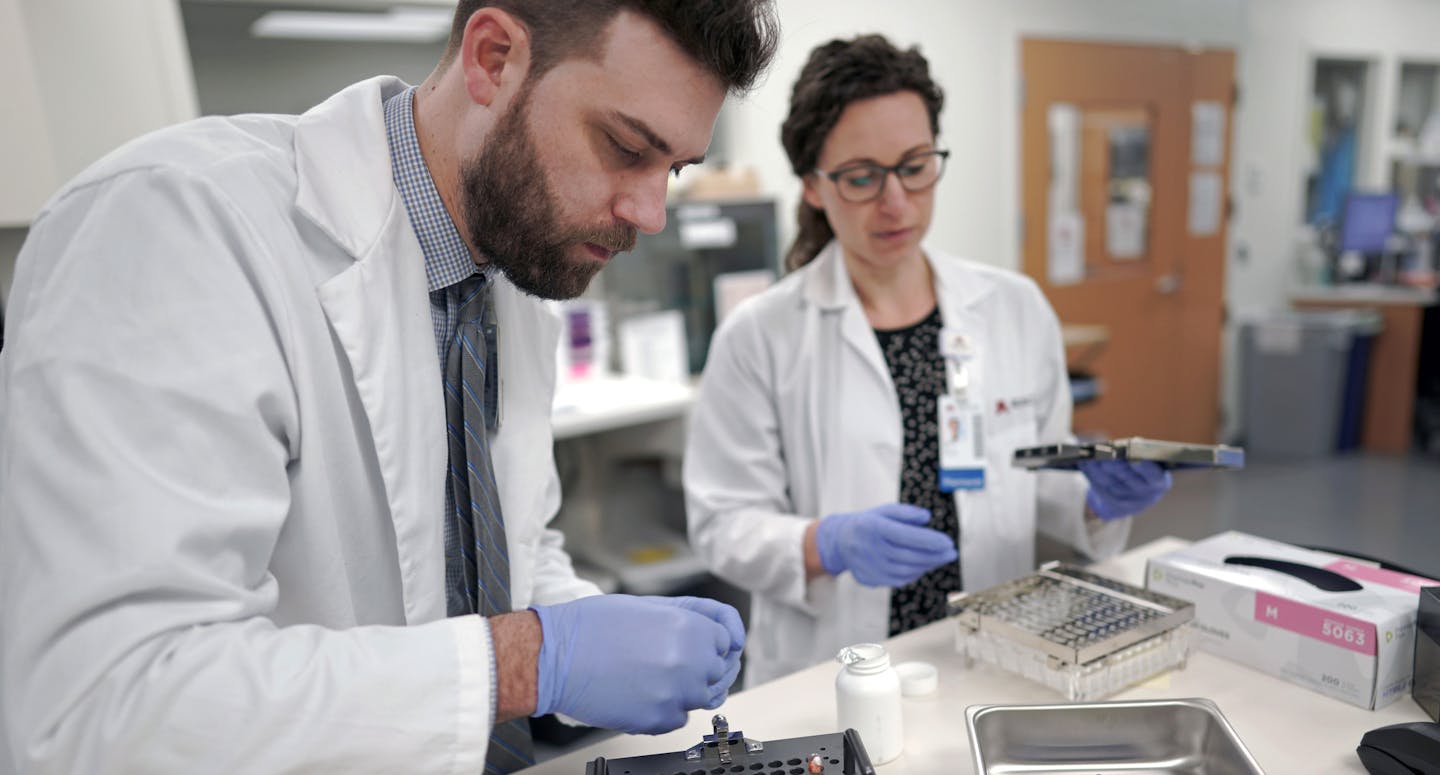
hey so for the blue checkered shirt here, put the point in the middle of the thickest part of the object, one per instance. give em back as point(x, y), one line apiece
point(447, 258)
point(447, 262)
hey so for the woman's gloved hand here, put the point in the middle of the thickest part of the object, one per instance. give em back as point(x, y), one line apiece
point(885, 546)
point(1119, 488)
point(636, 664)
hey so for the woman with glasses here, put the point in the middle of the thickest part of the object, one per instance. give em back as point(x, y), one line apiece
point(849, 456)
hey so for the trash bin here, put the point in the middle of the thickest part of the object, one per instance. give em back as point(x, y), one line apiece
point(1303, 380)
point(1366, 326)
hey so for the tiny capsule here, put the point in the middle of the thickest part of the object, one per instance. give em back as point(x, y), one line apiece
point(817, 764)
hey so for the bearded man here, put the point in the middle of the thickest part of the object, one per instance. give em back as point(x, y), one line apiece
point(275, 452)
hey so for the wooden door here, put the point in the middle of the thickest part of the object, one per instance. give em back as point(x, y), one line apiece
point(1108, 168)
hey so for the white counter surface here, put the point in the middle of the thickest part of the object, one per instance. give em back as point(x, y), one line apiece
point(607, 403)
point(1287, 728)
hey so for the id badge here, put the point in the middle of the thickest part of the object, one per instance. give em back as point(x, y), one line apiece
point(962, 446)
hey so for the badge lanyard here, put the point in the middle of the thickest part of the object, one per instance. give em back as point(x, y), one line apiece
point(962, 441)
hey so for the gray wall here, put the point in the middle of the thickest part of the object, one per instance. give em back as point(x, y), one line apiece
point(236, 73)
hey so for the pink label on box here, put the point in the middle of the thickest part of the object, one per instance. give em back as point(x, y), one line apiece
point(1362, 572)
point(1316, 623)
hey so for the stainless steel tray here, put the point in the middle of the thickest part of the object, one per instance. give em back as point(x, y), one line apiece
point(1099, 738)
point(1169, 454)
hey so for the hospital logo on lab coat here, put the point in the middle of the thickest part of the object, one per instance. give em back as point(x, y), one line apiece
point(1003, 407)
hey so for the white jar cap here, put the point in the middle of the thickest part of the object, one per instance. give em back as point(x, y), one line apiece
point(917, 678)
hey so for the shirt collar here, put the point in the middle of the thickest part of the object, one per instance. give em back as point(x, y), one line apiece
point(447, 258)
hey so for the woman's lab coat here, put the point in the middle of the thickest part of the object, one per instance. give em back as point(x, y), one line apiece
point(797, 419)
point(222, 465)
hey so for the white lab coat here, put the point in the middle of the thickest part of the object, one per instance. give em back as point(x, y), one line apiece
point(222, 465)
point(797, 418)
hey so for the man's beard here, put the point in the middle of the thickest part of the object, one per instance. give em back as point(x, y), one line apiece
point(514, 218)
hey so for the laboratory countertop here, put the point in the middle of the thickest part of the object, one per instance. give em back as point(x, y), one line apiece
point(605, 403)
point(1287, 728)
point(1364, 293)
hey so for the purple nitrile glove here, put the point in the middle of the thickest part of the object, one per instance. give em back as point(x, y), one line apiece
point(636, 664)
point(884, 546)
point(1119, 488)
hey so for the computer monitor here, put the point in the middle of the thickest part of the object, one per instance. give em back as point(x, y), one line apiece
point(1368, 222)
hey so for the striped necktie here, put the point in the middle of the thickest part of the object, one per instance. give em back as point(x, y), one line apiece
point(480, 550)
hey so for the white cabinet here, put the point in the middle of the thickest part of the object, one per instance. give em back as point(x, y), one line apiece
point(1415, 143)
point(623, 519)
point(84, 77)
point(1339, 122)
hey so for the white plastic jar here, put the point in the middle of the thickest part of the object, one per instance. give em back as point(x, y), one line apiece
point(867, 700)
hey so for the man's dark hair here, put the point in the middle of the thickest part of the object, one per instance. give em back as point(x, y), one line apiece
point(733, 39)
point(838, 73)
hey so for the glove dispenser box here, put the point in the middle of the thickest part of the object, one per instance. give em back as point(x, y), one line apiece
point(1427, 653)
point(1341, 627)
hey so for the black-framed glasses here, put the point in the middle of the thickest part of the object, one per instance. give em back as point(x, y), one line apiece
point(859, 183)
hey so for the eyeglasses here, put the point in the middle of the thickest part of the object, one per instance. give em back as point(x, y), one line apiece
point(866, 182)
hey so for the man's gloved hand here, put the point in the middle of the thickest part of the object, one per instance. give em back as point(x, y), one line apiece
point(1119, 488)
point(636, 664)
point(885, 546)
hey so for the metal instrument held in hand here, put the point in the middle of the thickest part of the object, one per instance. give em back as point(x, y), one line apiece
point(1168, 454)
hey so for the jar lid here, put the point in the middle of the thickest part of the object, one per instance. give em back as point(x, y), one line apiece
point(917, 678)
